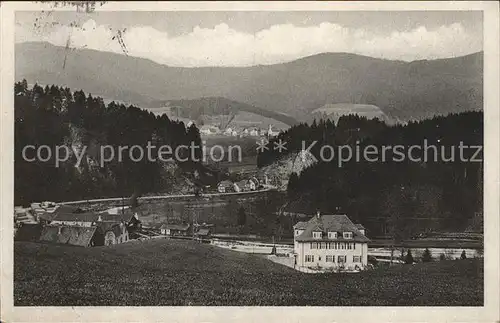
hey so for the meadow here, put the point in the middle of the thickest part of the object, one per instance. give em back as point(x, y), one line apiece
point(172, 272)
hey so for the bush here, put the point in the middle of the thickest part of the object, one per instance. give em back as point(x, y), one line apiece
point(463, 255)
point(427, 257)
point(442, 256)
point(372, 260)
point(409, 258)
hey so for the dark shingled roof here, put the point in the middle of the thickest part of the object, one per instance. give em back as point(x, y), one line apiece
point(93, 217)
point(203, 232)
point(49, 216)
point(360, 226)
point(72, 235)
point(79, 217)
point(331, 223)
point(180, 227)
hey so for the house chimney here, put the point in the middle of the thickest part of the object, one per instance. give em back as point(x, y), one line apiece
point(318, 214)
point(99, 219)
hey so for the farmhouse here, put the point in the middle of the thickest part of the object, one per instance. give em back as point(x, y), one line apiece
point(70, 225)
point(330, 241)
point(175, 229)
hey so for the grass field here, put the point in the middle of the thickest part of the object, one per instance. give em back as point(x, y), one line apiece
point(170, 272)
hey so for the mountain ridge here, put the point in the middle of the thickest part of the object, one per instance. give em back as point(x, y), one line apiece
point(405, 90)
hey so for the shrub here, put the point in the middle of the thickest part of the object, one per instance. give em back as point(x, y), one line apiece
point(442, 256)
point(409, 258)
point(427, 257)
point(372, 260)
point(463, 255)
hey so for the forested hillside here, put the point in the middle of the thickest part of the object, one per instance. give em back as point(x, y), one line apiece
point(402, 90)
point(56, 116)
point(398, 195)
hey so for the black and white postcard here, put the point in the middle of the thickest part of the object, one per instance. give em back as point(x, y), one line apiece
point(243, 161)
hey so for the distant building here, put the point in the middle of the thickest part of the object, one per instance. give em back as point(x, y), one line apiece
point(263, 179)
point(209, 130)
point(225, 187)
point(330, 241)
point(254, 132)
point(202, 233)
point(246, 185)
point(228, 132)
point(241, 186)
point(253, 183)
point(109, 227)
point(175, 229)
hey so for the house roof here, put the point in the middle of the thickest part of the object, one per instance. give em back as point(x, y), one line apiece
point(360, 226)
point(106, 226)
point(331, 223)
point(79, 217)
point(242, 183)
point(203, 232)
point(50, 214)
point(93, 217)
point(300, 225)
point(73, 235)
point(180, 227)
point(126, 216)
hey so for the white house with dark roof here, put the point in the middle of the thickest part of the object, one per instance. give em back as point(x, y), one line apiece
point(330, 241)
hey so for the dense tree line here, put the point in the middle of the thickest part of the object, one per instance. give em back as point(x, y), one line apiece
point(392, 197)
point(56, 116)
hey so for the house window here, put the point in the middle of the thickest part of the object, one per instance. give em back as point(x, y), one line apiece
point(317, 235)
point(347, 235)
point(341, 259)
point(356, 258)
point(309, 258)
point(314, 245)
point(330, 258)
point(332, 235)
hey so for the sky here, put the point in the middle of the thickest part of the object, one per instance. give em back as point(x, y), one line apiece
point(247, 38)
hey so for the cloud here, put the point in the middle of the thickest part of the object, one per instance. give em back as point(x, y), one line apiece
point(224, 46)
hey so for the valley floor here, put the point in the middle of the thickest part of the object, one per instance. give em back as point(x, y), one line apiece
point(173, 272)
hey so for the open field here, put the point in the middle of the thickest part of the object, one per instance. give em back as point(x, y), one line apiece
point(170, 272)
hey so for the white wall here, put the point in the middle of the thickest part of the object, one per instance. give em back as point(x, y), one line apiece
point(304, 248)
point(83, 224)
point(296, 233)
